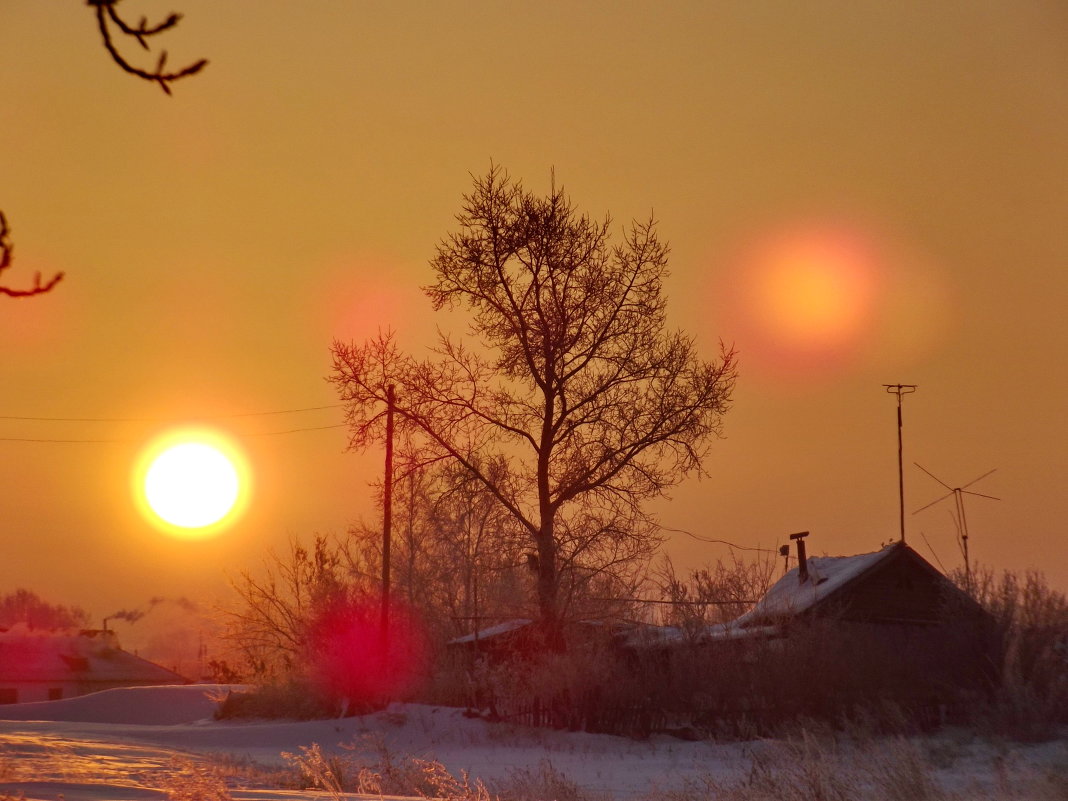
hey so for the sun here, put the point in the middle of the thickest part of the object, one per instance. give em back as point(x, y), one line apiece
point(191, 483)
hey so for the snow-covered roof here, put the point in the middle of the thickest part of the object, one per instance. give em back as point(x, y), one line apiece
point(28, 655)
point(826, 574)
point(492, 631)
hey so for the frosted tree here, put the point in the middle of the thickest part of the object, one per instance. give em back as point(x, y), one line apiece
point(569, 401)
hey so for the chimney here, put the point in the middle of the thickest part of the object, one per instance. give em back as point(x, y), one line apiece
point(802, 559)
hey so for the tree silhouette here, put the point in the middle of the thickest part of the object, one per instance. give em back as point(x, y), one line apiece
point(28, 608)
point(573, 404)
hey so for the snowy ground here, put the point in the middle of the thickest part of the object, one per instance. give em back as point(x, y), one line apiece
point(121, 744)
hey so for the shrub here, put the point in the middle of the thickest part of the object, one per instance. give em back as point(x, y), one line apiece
point(1030, 700)
point(293, 699)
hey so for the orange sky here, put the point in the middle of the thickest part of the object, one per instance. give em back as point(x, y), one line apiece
point(855, 194)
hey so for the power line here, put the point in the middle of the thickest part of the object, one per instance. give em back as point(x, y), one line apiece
point(165, 419)
point(718, 542)
point(138, 439)
point(175, 420)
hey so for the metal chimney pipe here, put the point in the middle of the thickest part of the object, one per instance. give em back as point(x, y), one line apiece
point(802, 558)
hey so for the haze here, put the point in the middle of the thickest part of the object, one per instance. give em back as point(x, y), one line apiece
point(214, 242)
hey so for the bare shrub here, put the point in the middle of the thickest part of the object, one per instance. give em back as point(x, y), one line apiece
point(1030, 701)
point(711, 594)
point(317, 770)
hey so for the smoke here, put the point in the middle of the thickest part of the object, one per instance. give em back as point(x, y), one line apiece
point(127, 615)
point(183, 603)
point(132, 616)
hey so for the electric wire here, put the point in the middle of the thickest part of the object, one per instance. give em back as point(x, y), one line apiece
point(174, 420)
point(719, 542)
point(138, 439)
point(165, 419)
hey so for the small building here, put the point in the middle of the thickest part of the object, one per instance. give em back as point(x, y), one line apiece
point(496, 642)
point(832, 635)
point(47, 665)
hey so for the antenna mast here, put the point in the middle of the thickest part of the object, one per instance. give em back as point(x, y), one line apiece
point(958, 494)
point(899, 390)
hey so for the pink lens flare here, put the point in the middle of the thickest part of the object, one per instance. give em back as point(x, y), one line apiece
point(350, 657)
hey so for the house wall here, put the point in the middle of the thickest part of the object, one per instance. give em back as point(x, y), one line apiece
point(903, 589)
point(30, 692)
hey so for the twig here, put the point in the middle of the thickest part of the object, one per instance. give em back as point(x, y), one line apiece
point(105, 12)
point(6, 258)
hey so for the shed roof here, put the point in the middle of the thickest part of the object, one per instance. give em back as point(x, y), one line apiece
point(490, 632)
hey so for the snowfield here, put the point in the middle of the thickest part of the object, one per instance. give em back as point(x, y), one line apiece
point(131, 743)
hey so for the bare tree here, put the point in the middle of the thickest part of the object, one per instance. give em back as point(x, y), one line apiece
point(482, 549)
point(457, 559)
point(574, 404)
point(27, 607)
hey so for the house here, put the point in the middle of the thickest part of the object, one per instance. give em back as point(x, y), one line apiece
point(833, 634)
point(40, 665)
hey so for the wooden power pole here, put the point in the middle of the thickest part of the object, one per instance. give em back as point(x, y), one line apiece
point(387, 519)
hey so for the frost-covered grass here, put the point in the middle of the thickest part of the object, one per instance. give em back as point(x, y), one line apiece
point(807, 767)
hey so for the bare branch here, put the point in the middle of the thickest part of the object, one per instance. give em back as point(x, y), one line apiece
point(107, 16)
point(6, 258)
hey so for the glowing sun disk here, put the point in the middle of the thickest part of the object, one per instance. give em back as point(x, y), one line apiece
point(191, 484)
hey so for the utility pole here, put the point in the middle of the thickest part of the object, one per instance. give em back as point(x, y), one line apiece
point(387, 520)
point(899, 390)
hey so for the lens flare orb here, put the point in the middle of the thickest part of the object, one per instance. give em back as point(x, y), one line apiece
point(805, 298)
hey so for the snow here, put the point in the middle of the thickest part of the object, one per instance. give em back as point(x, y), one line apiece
point(826, 574)
point(114, 746)
point(144, 727)
point(137, 705)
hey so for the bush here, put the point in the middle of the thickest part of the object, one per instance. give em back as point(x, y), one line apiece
point(1030, 700)
point(293, 700)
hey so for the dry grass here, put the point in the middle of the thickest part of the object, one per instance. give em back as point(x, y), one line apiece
point(384, 775)
point(185, 780)
point(811, 766)
point(369, 767)
point(540, 783)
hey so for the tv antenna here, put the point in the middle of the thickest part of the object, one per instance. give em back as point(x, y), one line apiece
point(958, 493)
